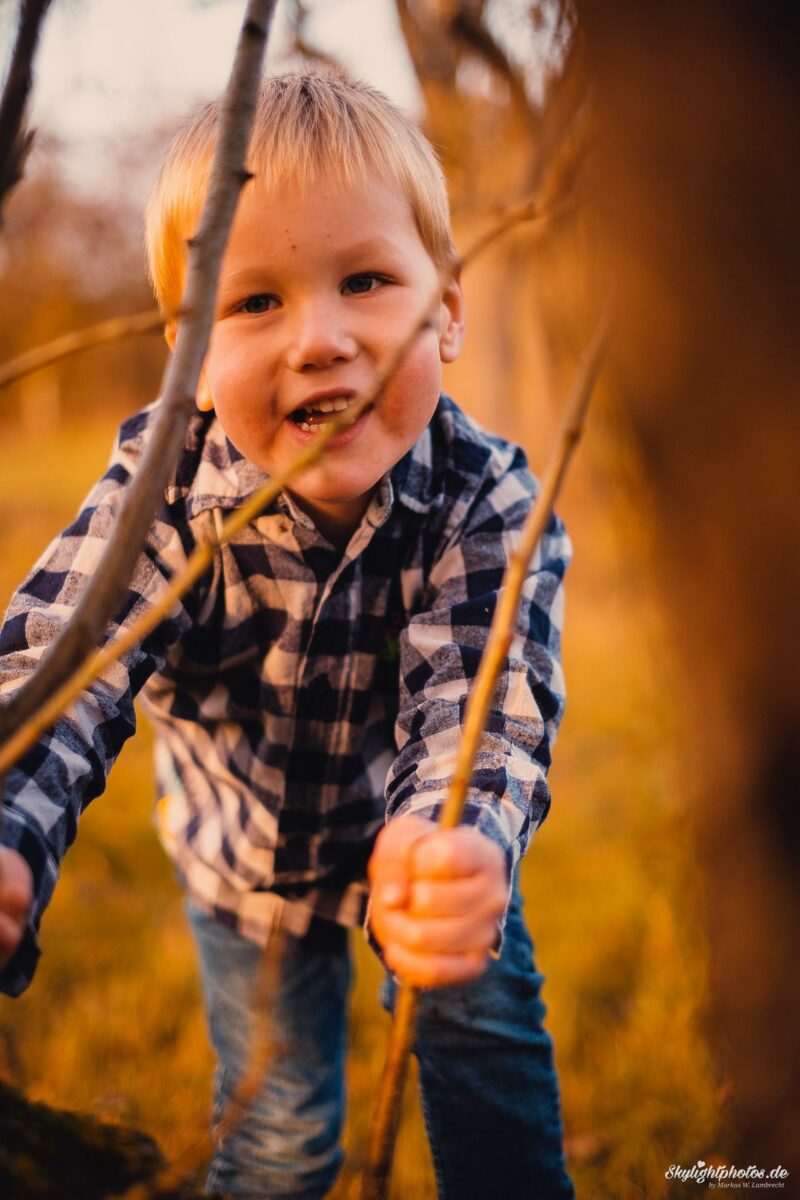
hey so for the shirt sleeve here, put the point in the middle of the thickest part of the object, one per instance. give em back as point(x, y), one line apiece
point(48, 788)
point(440, 651)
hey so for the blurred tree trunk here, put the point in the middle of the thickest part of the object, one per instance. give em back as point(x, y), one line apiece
point(697, 185)
point(693, 210)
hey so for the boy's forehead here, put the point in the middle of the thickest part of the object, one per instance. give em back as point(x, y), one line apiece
point(329, 184)
point(366, 214)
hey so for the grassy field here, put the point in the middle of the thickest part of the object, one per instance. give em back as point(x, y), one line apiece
point(114, 1024)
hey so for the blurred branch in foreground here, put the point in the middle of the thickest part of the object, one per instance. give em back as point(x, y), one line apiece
point(479, 701)
point(116, 329)
point(14, 143)
point(107, 588)
point(491, 78)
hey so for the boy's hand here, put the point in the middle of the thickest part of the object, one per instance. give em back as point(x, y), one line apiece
point(436, 898)
point(16, 893)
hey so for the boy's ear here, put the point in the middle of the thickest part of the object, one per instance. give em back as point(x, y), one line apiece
point(203, 398)
point(454, 321)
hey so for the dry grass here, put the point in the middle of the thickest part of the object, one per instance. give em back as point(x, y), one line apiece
point(113, 1023)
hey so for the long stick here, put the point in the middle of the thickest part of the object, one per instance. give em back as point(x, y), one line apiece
point(384, 1126)
point(106, 589)
point(114, 330)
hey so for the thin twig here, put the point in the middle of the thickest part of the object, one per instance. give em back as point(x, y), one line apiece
point(14, 144)
point(384, 1125)
point(69, 686)
point(516, 214)
point(266, 1041)
point(106, 589)
point(266, 1044)
point(117, 329)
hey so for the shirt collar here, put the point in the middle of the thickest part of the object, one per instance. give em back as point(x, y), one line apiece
point(212, 473)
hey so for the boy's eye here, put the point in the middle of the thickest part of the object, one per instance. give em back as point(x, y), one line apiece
point(261, 303)
point(367, 281)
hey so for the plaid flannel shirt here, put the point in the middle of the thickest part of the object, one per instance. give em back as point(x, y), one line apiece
point(300, 695)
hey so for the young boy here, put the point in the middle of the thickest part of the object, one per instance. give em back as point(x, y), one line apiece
point(311, 688)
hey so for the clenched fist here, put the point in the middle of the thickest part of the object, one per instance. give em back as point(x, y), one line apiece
point(435, 900)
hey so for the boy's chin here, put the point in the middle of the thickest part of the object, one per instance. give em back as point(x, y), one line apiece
point(319, 486)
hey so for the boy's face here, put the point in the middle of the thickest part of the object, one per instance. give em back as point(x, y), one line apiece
point(318, 289)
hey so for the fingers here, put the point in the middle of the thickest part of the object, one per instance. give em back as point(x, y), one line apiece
point(451, 898)
point(10, 935)
point(434, 970)
point(442, 935)
point(456, 853)
point(16, 891)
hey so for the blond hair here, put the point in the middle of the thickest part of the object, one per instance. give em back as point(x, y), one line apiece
point(305, 124)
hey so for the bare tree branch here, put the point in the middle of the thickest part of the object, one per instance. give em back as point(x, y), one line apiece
point(432, 52)
point(106, 590)
point(14, 144)
point(440, 41)
point(468, 26)
point(298, 20)
point(267, 1041)
point(117, 329)
point(384, 1125)
point(518, 214)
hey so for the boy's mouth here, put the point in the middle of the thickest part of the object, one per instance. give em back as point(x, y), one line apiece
point(318, 412)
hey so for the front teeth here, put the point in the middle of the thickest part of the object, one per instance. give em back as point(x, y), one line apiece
point(338, 404)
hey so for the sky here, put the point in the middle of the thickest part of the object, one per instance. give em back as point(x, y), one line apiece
point(108, 69)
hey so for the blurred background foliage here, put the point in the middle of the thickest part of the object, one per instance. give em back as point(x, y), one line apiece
point(621, 898)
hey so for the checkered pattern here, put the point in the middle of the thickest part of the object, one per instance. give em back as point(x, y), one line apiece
point(300, 696)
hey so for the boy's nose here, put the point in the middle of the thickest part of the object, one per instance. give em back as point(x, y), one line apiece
point(319, 340)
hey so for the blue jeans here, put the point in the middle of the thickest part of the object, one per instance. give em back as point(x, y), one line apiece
point(489, 1088)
